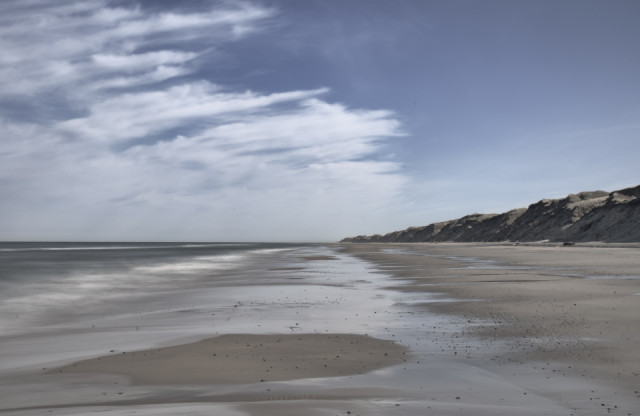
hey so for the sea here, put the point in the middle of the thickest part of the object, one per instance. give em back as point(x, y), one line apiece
point(47, 285)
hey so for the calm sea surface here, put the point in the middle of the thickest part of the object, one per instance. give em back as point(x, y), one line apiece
point(42, 284)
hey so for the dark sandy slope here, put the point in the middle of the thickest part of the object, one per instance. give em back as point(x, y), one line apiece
point(612, 217)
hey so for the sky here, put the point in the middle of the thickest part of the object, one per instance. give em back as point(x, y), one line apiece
point(306, 121)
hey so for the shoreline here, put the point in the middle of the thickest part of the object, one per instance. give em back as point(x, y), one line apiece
point(468, 328)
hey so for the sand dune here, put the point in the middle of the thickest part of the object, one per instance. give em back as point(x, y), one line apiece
point(587, 216)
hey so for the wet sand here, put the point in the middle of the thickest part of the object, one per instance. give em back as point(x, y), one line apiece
point(551, 312)
point(248, 358)
point(369, 329)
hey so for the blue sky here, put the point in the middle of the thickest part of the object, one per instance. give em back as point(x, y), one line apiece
point(312, 120)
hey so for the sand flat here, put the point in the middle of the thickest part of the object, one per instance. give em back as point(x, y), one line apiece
point(248, 358)
point(569, 311)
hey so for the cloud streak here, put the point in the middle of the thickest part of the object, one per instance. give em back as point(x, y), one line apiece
point(111, 132)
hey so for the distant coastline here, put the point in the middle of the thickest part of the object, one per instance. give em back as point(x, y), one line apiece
point(611, 217)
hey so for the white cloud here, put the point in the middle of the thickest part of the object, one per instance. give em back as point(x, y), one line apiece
point(136, 115)
point(135, 62)
point(53, 46)
point(158, 74)
point(122, 154)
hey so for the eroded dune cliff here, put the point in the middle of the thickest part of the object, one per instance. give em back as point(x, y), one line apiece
point(587, 216)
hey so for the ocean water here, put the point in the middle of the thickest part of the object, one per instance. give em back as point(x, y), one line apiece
point(47, 285)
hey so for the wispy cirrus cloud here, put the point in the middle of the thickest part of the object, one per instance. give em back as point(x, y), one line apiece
point(142, 61)
point(110, 132)
point(137, 115)
point(50, 45)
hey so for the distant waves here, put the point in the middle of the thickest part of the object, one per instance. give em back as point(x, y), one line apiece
point(47, 284)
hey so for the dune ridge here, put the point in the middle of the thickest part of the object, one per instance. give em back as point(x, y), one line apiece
point(612, 217)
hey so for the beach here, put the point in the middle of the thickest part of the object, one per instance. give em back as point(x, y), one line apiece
point(334, 329)
point(554, 314)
